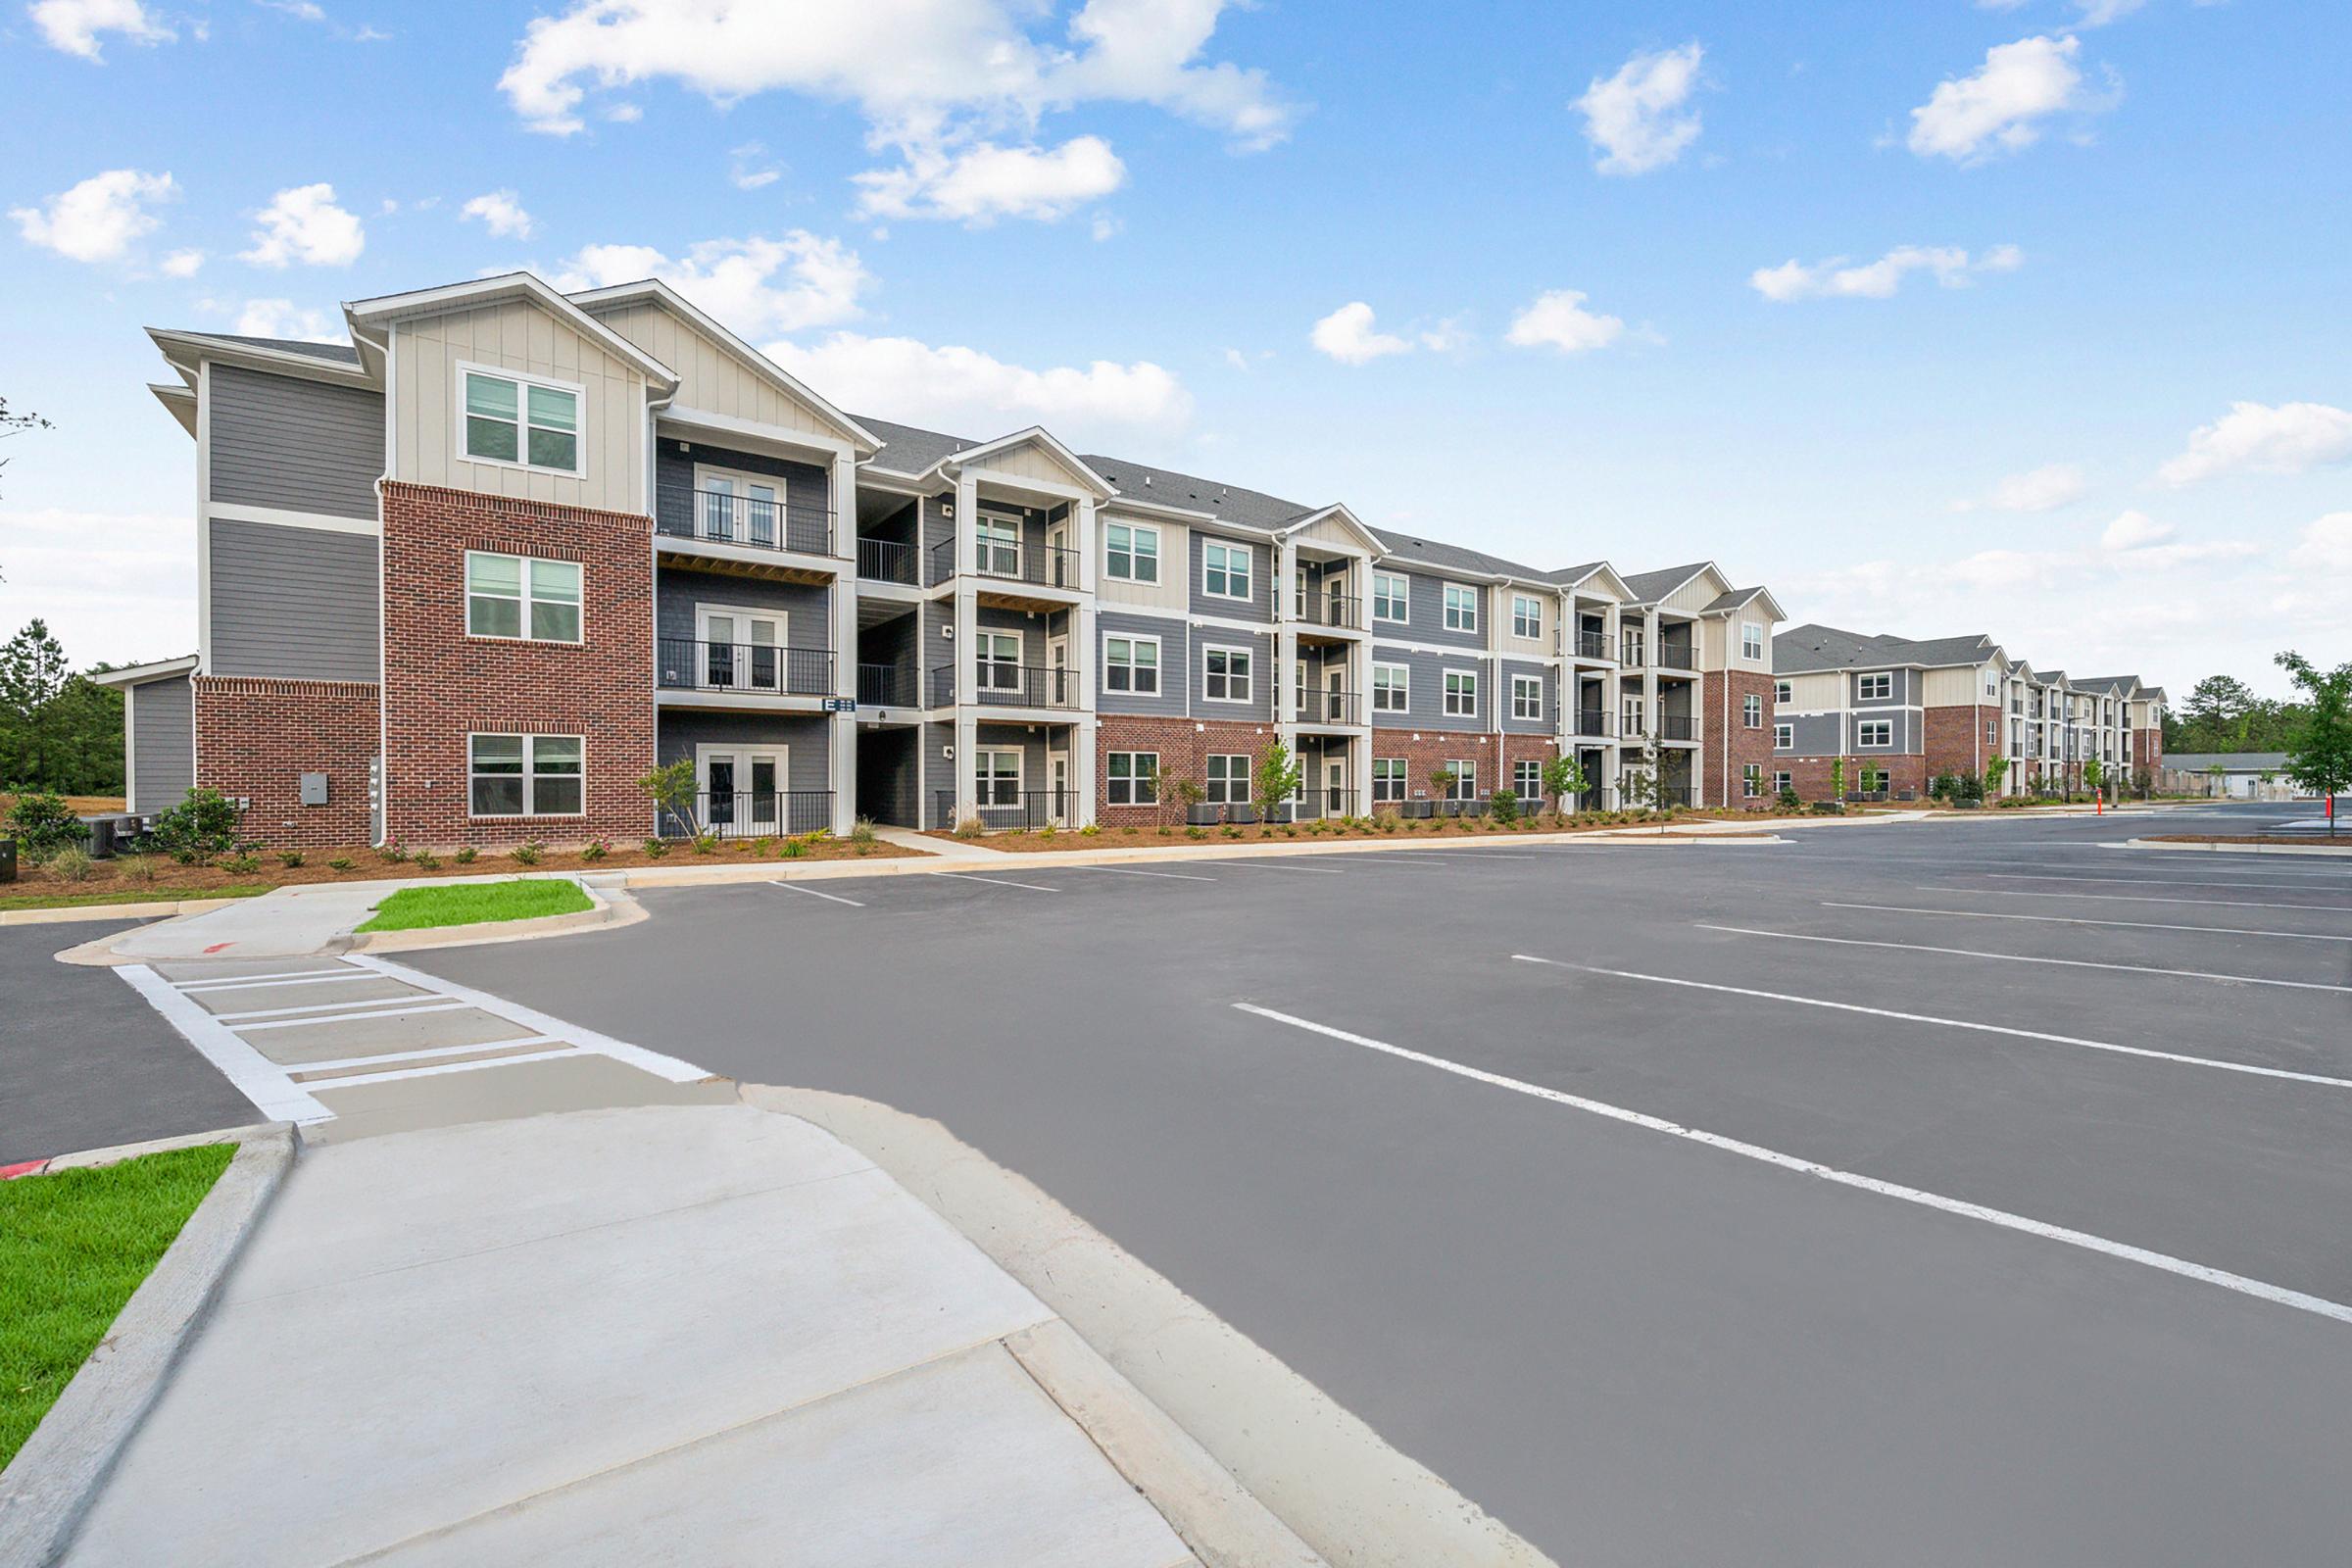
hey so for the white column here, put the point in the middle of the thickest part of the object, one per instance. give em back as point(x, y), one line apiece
point(1082, 645)
point(840, 772)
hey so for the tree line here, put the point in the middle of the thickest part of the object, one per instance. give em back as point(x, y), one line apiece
point(60, 731)
point(2222, 714)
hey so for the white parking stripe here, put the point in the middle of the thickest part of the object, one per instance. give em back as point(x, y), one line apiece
point(292, 977)
point(2066, 919)
point(667, 1067)
point(1003, 882)
point(2158, 882)
point(408, 1009)
point(259, 1079)
point(2025, 958)
point(1128, 870)
point(1278, 866)
point(430, 1053)
point(436, 1070)
point(2144, 897)
point(2277, 1295)
point(1971, 1024)
point(324, 1010)
point(833, 898)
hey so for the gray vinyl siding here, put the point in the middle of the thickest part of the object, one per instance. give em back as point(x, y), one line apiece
point(1428, 602)
point(805, 483)
point(1812, 735)
point(1031, 629)
point(1427, 681)
point(807, 735)
point(1259, 606)
point(1906, 688)
point(1259, 708)
point(1678, 635)
point(1175, 664)
point(806, 608)
point(293, 445)
point(162, 743)
point(1908, 728)
point(937, 773)
point(1030, 743)
point(1678, 700)
point(933, 648)
point(294, 604)
point(1550, 723)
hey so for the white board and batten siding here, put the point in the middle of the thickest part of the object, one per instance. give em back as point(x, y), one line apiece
point(711, 380)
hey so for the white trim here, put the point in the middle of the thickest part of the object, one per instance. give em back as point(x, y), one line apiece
point(236, 511)
point(138, 674)
point(386, 310)
point(1248, 778)
point(1405, 582)
point(743, 754)
point(204, 520)
point(1863, 682)
point(1158, 579)
point(524, 601)
point(1520, 679)
point(523, 380)
point(1249, 594)
point(1862, 732)
point(529, 776)
point(1446, 616)
point(1131, 639)
point(1446, 689)
point(1248, 673)
point(1134, 779)
point(1404, 685)
point(1020, 772)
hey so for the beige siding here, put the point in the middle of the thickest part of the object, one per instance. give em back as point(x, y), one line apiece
point(1719, 641)
point(1696, 594)
point(1030, 461)
point(1175, 549)
point(1947, 688)
point(1332, 534)
point(1815, 692)
point(520, 337)
point(710, 378)
point(1539, 646)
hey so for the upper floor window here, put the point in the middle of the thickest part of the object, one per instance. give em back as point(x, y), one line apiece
point(1389, 601)
point(1993, 684)
point(531, 424)
point(1225, 674)
point(1461, 694)
point(1751, 641)
point(1527, 697)
point(1526, 616)
point(1134, 552)
point(1751, 711)
point(1783, 737)
point(1225, 570)
point(1875, 732)
point(1876, 688)
point(507, 594)
point(1131, 665)
point(1461, 608)
point(1392, 689)
point(1782, 692)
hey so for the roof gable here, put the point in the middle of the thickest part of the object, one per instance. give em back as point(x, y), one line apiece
point(371, 320)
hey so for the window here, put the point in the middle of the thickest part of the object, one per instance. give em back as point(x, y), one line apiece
point(1526, 616)
point(1752, 780)
point(1225, 674)
point(1783, 693)
point(1993, 684)
point(1751, 641)
point(1875, 688)
point(1783, 737)
point(1134, 552)
point(531, 425)
point(1461, 608)
point(1461, 694)
point(1134, 779)
point(523, 775)
point(1527, 697)
point(1875, 732)
point(1633, 718)
point(1131, 665)
point(1227, 779)
point(998, 540)
point(1465, 780)
point(1225, 570)
point(1751, 711)
point(1389, 601)
point(504, 594)
point(1782, 781)
point(996, 777)
point(1992, 732)
point(1388, 779)
point(1526, 780)
point(1392, 689)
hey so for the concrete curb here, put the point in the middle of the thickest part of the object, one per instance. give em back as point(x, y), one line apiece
point(116, 1152)
point(2317, 850)
point(1323, 1473)
point(54, 1478)
point(116, 911)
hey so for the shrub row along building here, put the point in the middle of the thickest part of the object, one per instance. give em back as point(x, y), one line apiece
point(471, 577)
point(1907, 711)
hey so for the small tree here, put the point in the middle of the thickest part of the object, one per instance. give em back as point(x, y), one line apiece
point(1191, 792)
point(1277, 780)
point(673, 789)
point(2318, 747)
point(1440, 781)
point(1156, 784)
point(2094, 773)
point(1838, 778)
point(1996, 769)
point(1563, 779)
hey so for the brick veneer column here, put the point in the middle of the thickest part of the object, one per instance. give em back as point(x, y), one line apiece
point(1183, 745)
point(1436, 745)
point(440, 685)
point(255, 738)
point(1730, 745)
point(1955, 738)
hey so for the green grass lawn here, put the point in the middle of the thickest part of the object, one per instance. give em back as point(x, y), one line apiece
point(157, 895)
point(473, 902)
point(73, 1247)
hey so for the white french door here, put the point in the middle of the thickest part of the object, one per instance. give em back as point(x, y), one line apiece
point(742, 650)
point(738, 507)
point(743, 788)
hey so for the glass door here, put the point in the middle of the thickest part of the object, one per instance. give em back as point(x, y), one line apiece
point(743, 650)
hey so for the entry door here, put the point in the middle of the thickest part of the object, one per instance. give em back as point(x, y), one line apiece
point(1335, 776)
point(1057, 778)
point(742, 651)
point(1057, 552)
point(736, 508)
point(743, 788)
point(1057, 670)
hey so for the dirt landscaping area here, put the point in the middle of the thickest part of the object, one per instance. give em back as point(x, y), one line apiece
point(1385, 825)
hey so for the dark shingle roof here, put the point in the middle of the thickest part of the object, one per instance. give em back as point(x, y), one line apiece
point(1452, 557)
point(1569, 575)
point(1803, 649)
point(334, 353)
point(910, 449)
point(2110, 684)
point(1654, 585)
point(1253, 509)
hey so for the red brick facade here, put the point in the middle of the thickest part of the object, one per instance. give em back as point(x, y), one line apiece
point(1517, 749)
point(2147, 754)
point(255, 738)
point(1437, 749)
point(1730, 746)
point(1810, 776)
point(445, 685)
point(1961, 736)
point(1183, 745)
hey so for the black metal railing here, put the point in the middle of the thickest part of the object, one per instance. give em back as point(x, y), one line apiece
point(1672, 655)
point(886, 560)
point(1674, 728)
point(1329, 609)
point(1593, 721)
point(1002, 811)
point(722, 516)
point(1592, 645)
point(1313, 804)
point(1002, 685)
point(683, 663)
point(887, 685)
point(1330, 707)
point(752, 813)
point(1046, 565)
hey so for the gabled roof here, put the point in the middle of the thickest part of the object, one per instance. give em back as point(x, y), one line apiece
point(184, 348)
point(910, 449)
point(1338, 512)
point(1455, 557)
point(2112, 685)
point(369, 318)
point(1803, 649)
point(1739, 597)
point(1250, 509)
point(1648, 587)
point(1038, 435)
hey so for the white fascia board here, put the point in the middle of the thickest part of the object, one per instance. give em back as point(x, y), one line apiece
point(184, 351)
point(1338, 509)
point(177, 401)
point(727, 425)
point(140, 675)
point(1105, 490)
point(384, 309)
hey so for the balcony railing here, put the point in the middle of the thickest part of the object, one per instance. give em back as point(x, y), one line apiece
point(1329, 609)
point(1002, 685)
point(1672, 656)
point(1046, 566)
point(1629, 652)
point(1004, 811)
point(686, 665)
point(1593, 721)
point(887, 685)
point(722, 516)
point(886, 560)
point(1592, 645)
point(752, 813)
point(1330, 707)
point(1674, 728)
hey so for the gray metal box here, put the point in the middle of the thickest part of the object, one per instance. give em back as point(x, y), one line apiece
point(314, 789)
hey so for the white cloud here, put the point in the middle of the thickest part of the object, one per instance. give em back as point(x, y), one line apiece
point(2135, 530)
point(624, 114)
point(75, 26)
point(1635, 119)
point(97, 219)
point(282, 319)
point(952, 387)
point(754, 286)
point(2001, 105)
point(1105, 227)
point(501, 212)
point(1558, 320)
point(1833, 279)
point(1346, 336)
point(983, 182)
point(1238, 360)
point(2043, 489)
point(299, 10)
point(2252, 436)
point(2326, 546)
point(183, 264)
point(303, 224)
point(748, 167)
point(2099, 12)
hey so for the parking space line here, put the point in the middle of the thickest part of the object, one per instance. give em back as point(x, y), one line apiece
point(2124, 1250)
point(832, 898)
point(1003, 882)
point(2026, 957)
point(2246, 1068)
point(321, 1010)
point(428, 1053)
point(2144, 897)
point(1277, 865)
point(292, 977)
point(672, 1069)
point(438, 1068)
point(2158, 882)
point(1127, 870)
point(2069, 919)
point(268, 1085)
point(408, 1008)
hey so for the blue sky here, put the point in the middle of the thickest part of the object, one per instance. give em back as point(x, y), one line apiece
point(2026, 319)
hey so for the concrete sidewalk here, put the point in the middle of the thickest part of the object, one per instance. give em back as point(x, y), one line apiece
point(680, 1334)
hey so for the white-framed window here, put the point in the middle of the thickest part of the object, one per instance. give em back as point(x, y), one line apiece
point(1752, 780)
point(1876, 688)
point(1875, 732)
point(1227, 779)
point(1461, 694)
point(1133, 779)
point(1225, 570)
point(1133, 552)
point(997, 660)
point(997, 538)
point(1131, 665)
point(1633, 717)
point(997, 776)
point(732, 505)
point(1783, 693)
point(1783, 737)
point(519, 422)
point(1751, 641)
point(741, 648)
point(1527, 697)
point(525, 776)
point(1388, 779)
point(1391, 600)
point(1465, 780)
point(521, 597)
point(1391, 688)
point(1782, 780)
point(1225, 674)
point(1461, 608)
point(1527, 779)
point(1751, 711)
point(1993, 684)
point(1526, 616)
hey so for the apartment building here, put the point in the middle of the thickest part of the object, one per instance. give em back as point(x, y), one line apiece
point(470, 577)
point(1905, 711)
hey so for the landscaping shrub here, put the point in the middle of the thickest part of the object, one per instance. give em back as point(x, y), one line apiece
point(595, 850)
point(242, 863)
point(289, 859)
point(656, 848)
point(970, 827)
point(527, 853)
point(1789, 800)
point(137, 867)
point(392, 854)
point(341, 863)
point(204, 824)
point(1505, 806)
point(466, 855)
point(705, 842)
point(72, 863)
point(861, 831)
point(41, 823)
point(1093, 829)
point(423, 861)
point(794, 849)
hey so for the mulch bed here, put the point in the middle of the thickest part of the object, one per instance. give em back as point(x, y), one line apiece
point(1406, 828)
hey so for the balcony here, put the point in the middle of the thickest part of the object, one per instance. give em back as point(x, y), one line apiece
point(1672, 655)
point(754, 813)
point(1040, 566)
point(1335, 611)
point(1593, 645)
point(1008, 810)
point(723, 517)
point(1629, 652)
point(1674, 728)
point(1594, 723)
point(1330, 707)
point(887, 685)
point(997, 684)
point(683, 663)
point(886, 560)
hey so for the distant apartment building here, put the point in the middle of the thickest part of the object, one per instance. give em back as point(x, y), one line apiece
point(470, 577)
point(1906, 711)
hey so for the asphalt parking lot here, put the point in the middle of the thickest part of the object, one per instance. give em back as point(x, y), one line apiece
point(1959, 1193)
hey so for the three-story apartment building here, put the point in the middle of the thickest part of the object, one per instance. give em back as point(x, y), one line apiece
point(469, 579)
